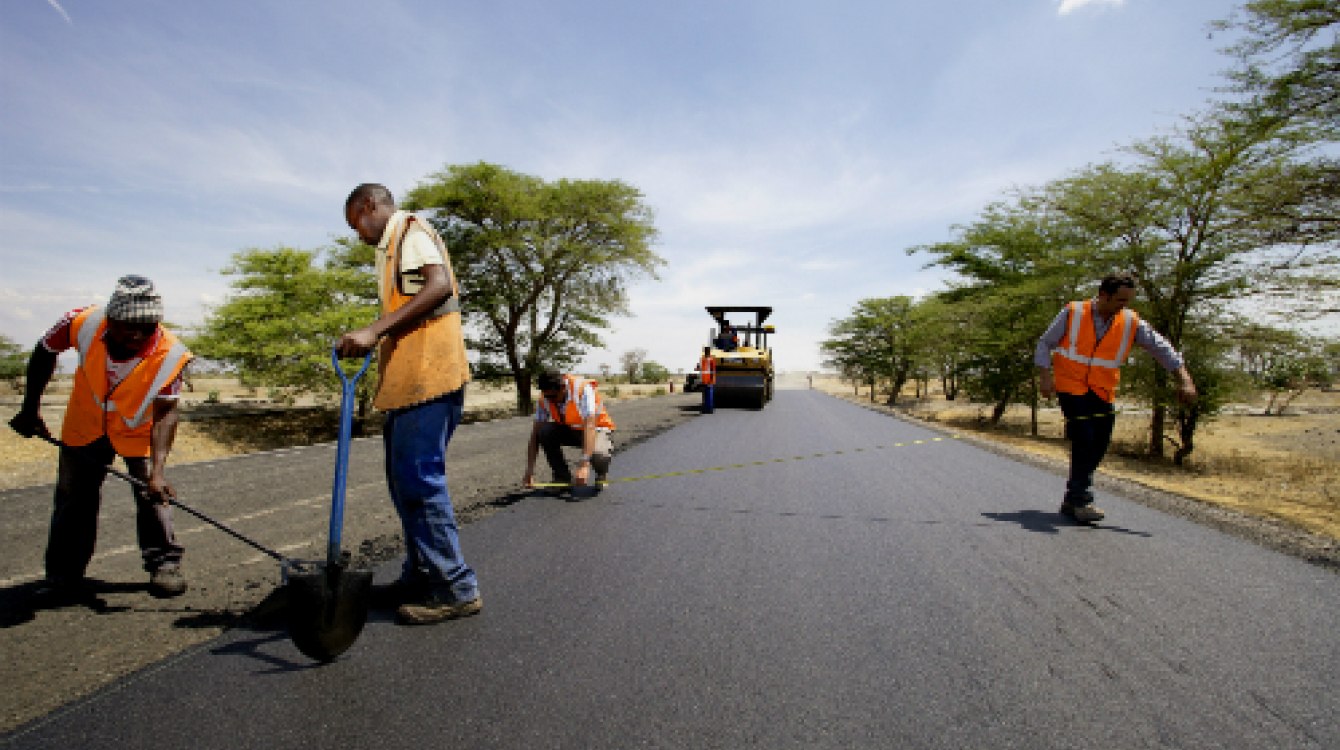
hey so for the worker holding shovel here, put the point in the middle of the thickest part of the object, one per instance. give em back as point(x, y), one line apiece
point(422, 373)
point(1090, 341)
point(124, 402)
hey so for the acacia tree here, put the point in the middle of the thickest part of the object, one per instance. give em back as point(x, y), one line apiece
point(1017, 265)
point(632, 361)
point(286, 310)
point(1220, 209)
point(878, 341)
point(542, 265)
point(1288, 60)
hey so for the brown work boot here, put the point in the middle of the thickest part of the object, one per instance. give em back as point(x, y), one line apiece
point(167, 582)
point(431, 611)
point(1083, 513)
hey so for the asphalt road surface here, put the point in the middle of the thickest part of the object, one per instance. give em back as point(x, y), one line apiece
point(923, 596)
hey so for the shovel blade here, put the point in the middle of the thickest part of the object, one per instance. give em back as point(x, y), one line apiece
point(327, 609)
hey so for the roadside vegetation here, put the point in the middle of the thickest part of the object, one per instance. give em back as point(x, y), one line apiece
point(543, 266)
point(1229, 222)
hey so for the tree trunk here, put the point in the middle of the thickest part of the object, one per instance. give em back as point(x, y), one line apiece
point(899, 381)
point(872, 390)
point(524, 404)
point(1156, 431)
point(998, 410)
point(1160, 413)
point(1033, 406)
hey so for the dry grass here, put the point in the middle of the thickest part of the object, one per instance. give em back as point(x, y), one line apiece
point(1286, 467)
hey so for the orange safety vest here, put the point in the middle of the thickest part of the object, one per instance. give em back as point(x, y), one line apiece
point(125, 415)
point(426, 360)
point(708, 367)
point(572, 416)
point(1083, 363)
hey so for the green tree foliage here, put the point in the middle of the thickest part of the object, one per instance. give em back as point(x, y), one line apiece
point(287, 309)
point(13, 362)
point(1207, 214)
point(542, 265)
point(1016, 266)
point(877, 343)
point(653, 372)
point(1288, 60)
point(1281, 361)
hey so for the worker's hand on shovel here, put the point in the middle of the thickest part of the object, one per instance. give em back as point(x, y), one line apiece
point(356, 343)
point(159, 490)
point(29, 425)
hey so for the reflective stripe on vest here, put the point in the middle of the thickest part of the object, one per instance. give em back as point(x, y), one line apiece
point(1081, 315)
point(1099, 370)
point(86, 416)
point(572, 415)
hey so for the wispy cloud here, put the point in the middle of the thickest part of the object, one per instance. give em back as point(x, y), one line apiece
point(61, 11)
point(1070, 5)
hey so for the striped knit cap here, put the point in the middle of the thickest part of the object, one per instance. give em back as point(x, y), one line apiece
point(135, 301)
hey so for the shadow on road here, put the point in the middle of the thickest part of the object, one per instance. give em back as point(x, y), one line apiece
point(20, 603)
point(1051, 523)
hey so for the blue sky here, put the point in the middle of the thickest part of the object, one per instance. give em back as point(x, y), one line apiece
point(792, 150)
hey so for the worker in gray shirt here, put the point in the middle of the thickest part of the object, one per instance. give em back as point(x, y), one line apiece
point(1079, 361)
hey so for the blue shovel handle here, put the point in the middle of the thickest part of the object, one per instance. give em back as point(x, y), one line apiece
point(347, 398)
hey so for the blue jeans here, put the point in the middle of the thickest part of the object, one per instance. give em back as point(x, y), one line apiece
point(708, 395)
point(1089, 438)
point(416, 440)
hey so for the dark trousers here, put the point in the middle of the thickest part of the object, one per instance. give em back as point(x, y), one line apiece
point(554, 437)
point(1089, 427)
point(74, 520)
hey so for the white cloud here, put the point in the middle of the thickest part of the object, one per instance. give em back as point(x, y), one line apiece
point(61, 10)
point(1069, 5)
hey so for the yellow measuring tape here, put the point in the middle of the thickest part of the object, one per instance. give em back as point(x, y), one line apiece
point(753, 463)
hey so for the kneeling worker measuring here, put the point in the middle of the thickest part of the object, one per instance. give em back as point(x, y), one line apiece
point(570, 413)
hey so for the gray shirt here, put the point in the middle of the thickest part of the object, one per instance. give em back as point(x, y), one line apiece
point(1145, 337)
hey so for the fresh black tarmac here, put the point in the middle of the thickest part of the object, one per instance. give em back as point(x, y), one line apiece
point(924, 596)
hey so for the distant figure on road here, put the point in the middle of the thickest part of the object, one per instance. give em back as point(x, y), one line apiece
point(728, 340)
point(422, 373)
point(1090, 340)
point(570, 413)
point(707, 368)
point(124, 403)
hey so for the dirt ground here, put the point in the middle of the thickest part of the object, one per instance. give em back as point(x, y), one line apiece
point(1282, 467)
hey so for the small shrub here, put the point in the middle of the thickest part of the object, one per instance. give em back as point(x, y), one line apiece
point(614, 392)
point(213, 397)
point(660, 392)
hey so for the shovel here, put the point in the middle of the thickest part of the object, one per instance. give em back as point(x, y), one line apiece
point(328, 606)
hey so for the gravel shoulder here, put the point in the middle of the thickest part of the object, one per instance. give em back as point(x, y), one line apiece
point(281, 498)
